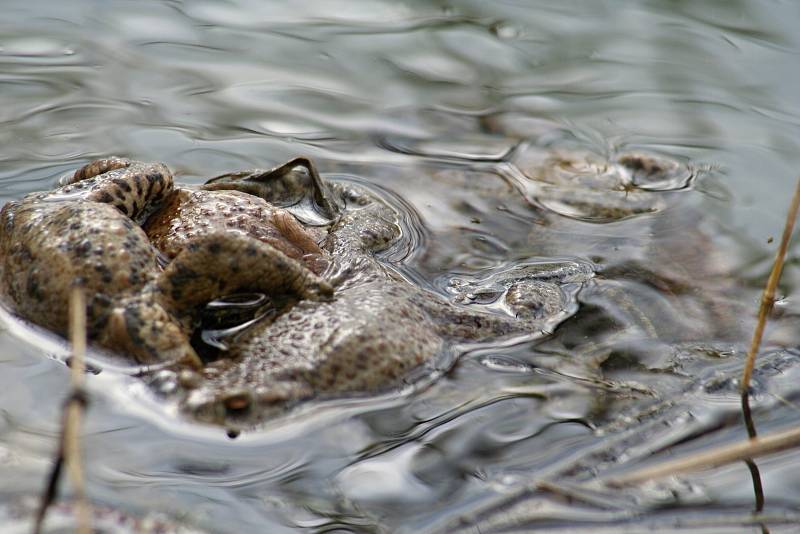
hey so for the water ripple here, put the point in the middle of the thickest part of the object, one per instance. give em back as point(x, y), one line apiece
point(446, 112)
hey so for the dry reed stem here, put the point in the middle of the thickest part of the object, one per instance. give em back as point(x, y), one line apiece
point(768, 297)
point(69, 450)
point(72, 426)
point(736, 452)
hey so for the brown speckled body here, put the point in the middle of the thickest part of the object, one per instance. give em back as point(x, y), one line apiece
point(86, 234)
point(377, 329)
point(57, 245)
point(368, 337)
point(81, 234)
point(188, 214)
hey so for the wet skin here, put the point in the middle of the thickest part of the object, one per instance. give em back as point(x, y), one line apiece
point(360, 329)
point(86, 234)
point(338, 321)
point(370, 336)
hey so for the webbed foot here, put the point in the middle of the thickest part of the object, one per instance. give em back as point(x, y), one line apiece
point(282, 185)
point(141, 328)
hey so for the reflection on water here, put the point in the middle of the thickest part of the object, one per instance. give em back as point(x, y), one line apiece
point(444, 106)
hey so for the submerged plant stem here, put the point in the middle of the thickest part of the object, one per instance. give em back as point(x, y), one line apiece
point(744, 450)
point(755, 446)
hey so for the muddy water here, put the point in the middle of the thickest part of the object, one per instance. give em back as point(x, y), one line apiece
point(439, 106)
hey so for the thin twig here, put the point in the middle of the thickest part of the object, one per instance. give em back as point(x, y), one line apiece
point(69, 450)
point(751, 448)
point(768, 297)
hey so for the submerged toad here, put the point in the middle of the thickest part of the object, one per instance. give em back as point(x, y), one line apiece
point(376, 329)
point(359, 327)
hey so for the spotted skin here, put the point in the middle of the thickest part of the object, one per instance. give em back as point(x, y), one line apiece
point(132, 187)
point(85, 234)
point(188, 214)
point(376, 330)
point(358, 328)
point(224, 263)
point(53, 247)
point(81, 234)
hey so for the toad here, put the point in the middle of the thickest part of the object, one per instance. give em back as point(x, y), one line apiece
point(85, 233)
point(340, 322)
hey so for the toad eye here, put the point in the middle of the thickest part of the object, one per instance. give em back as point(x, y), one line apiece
point(239, 403)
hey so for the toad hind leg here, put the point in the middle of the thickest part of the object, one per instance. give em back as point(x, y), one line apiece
point(96, 168)
point(221, 264)
point(132, 187)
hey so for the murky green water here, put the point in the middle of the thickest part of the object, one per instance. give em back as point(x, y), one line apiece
point(427, 102)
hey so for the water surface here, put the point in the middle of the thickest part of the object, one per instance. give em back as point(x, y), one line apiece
point(429, 102)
